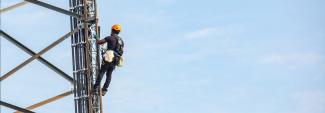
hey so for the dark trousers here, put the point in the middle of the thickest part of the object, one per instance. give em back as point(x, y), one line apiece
point(108, 68)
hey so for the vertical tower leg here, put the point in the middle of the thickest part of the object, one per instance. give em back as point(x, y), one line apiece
point(85, 56)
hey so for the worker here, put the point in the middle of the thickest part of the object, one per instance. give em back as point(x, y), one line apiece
point(112, 57)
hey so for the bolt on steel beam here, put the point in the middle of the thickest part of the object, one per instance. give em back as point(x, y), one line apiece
point(32, 53)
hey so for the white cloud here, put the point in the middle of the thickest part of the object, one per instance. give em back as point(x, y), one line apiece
point(309, 102)
point(216, 31)
point(218, 39)
point(165, 2)
point(205, 32)
point(291, 59)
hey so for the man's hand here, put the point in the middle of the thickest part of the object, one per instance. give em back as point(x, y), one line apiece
point(100, 42)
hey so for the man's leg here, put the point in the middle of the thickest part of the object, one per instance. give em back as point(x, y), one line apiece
point(108, 77)
point(102, 70)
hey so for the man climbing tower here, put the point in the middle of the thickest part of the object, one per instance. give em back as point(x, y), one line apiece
point(112, 57)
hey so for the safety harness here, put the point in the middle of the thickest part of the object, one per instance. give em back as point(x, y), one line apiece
point(116, 54)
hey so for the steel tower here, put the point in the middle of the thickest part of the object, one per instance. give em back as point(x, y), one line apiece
point(85, 55)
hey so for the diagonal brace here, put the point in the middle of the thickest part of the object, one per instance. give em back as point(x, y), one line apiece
point(44, 102)
point(32, 53)
point(13, 7)
point(15, 107)
point(38, 54)
point(49, 6)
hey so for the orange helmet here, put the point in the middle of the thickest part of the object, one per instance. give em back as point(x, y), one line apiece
point(116, 27)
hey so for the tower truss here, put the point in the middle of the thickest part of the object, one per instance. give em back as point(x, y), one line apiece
point(85, 56)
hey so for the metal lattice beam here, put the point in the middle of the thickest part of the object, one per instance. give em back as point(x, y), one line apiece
point(15, 107)
point(13, 7)
point(85, 54)
point(32, 53)
point(47, 101)
point(38, 54)
point(49, 6)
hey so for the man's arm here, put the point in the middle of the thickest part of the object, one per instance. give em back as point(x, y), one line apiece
point(100, 42)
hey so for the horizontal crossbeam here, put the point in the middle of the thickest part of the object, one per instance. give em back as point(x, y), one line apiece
point(32, 53)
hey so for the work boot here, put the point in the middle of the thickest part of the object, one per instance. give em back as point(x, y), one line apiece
point(104, 92)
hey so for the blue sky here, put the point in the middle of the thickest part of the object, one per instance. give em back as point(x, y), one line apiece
point(181, 56)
